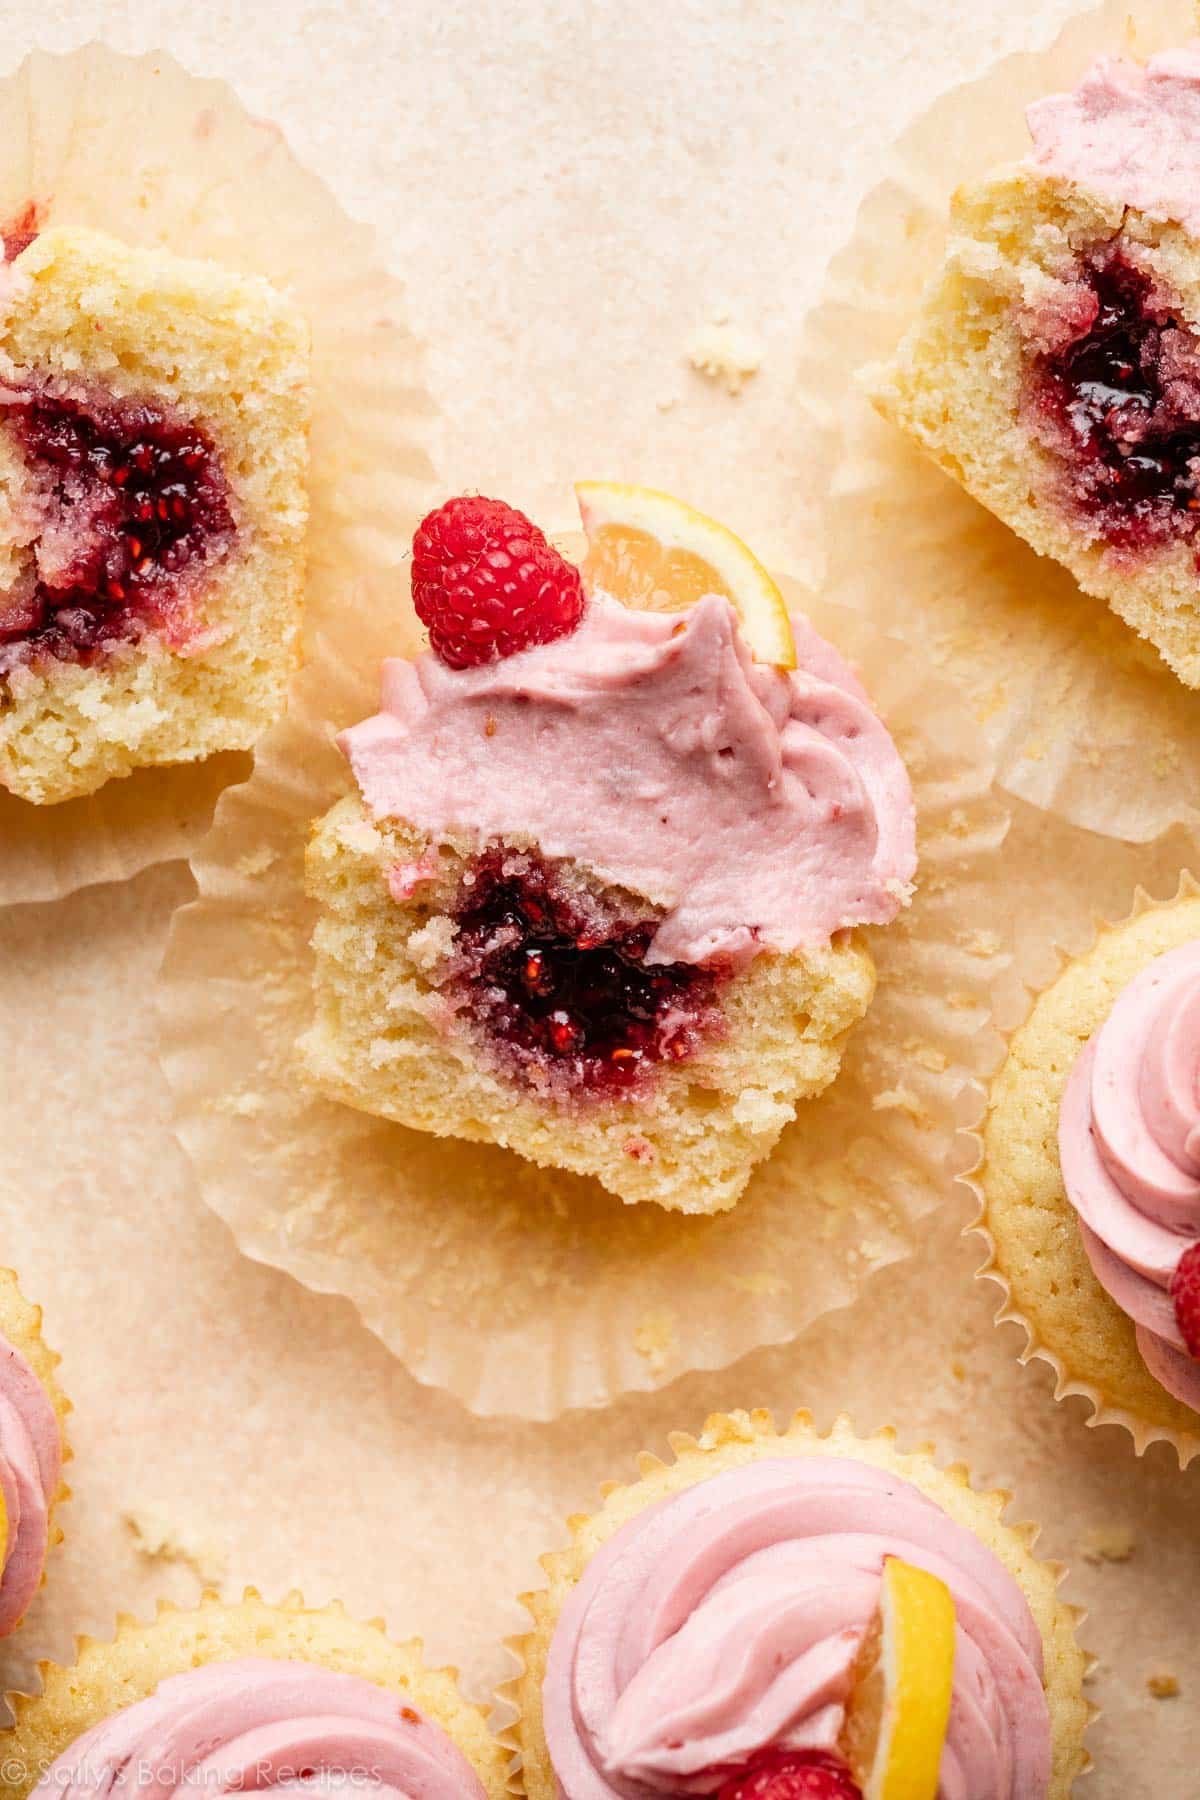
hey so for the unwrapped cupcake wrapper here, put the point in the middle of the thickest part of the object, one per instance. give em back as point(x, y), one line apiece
point(79, 1696)
point(1086, 721)
point(1099, 912)
point(741, 1437)
point(526, 1291)
point(137, 147)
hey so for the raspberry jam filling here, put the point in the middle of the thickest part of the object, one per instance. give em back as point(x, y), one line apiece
point(127, 501)
point(562, 989)
point(1120, 405)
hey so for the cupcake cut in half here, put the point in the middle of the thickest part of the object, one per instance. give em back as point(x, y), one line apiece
point(1091, 1175)
point(244, 1695)
point(1054, 368)
point(33, 1413)
point(153, 504)
point(785, 1616)
point(595, 896)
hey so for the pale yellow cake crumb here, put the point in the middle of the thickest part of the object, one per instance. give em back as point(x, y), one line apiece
point(729, 1441)
point(956, 382)
point(160, 1539)
point(228, 353)
point(388, 1041)
point(1162, 1685)
point(1107, 1543)
point(726, 354)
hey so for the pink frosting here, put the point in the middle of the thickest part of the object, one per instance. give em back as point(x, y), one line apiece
point(254, 1724)
point(1129, 132)
point(725, 1621)
point(1129, 1145)
point(30, 1463)
point(762, 810)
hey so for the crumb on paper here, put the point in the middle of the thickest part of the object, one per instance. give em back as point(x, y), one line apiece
point(246, 1105)
point(1163, 1685)
point(1107, 1543)
point(666, 403)
point(898, 1099)
point(257, 862)
point(654, 1339)
point(927, 1056)
point(722, 352)
point(980, 943)
point(157, 1539)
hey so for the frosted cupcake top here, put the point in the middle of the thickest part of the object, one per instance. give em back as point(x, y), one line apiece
point(254, 1724)
point(1129, 1145)
point(762, 810)
point(724, 1622)
point(1129, 131)
point(30, 1464)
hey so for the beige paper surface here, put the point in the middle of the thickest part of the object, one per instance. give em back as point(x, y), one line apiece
point(1085, 719)
point(252, 1428)
point(522, 1290)
point(140, 148)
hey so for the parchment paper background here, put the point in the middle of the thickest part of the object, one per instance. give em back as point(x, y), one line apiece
point(513, 155)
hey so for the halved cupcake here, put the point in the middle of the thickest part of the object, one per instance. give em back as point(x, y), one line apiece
point(785, 1616)
point(33, 1412)
point(153, 458)
point(596, 896)
point(1054, 368)
point(243, 1695)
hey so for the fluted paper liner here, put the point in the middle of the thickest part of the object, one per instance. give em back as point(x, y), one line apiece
point(106, 1677)
point(138, 147)
point(729, 1440)
point(1155, 1425)
point(1085, 719)
point(521, 1290)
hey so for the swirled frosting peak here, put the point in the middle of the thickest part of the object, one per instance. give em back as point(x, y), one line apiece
point(253, 1725)
point(761, 810)
point(30, 1463)
point(724, 1622)
point(1129, 1146)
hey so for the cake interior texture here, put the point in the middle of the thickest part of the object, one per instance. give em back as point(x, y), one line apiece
point(489, 995)
point(1054, 370)
point(153, 504)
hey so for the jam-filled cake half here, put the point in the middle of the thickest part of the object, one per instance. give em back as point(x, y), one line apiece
point(1054, 369)
point(595, 893)
point(153, 506)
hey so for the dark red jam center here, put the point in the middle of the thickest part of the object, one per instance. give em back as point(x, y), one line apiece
point(563, 990)
point(129, 498)
point(1120, 404)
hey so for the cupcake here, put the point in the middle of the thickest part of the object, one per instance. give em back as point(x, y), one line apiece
point(1091, 1174)
point(795, 1617)
point(153, 453)
point(1054, 368)
point(33, 1413)
point(246, 1695)
point(595, 896)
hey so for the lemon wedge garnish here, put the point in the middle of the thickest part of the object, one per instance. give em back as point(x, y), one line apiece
point(652, 551)
point(895, 1727)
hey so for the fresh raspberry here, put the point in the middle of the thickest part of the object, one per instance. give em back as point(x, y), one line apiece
point(487, 584)
point(1185, 1292)
point(793, 1775)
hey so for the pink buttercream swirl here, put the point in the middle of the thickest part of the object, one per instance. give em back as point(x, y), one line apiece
point(253, 1725)
point(725, 1621)
point(30, 1464)
point(761, 810)
point(1129, 1145)
point(1130, 132)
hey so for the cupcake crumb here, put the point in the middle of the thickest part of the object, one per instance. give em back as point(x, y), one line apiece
point(157, 1539)
point(257, 862)
point(721, 352)
point(655, 1339)
point(1107, 1543)
point(1163, 1685)
point(898, 1099)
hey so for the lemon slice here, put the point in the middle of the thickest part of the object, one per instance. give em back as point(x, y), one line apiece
point(896, 1721)
point(652, 551)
